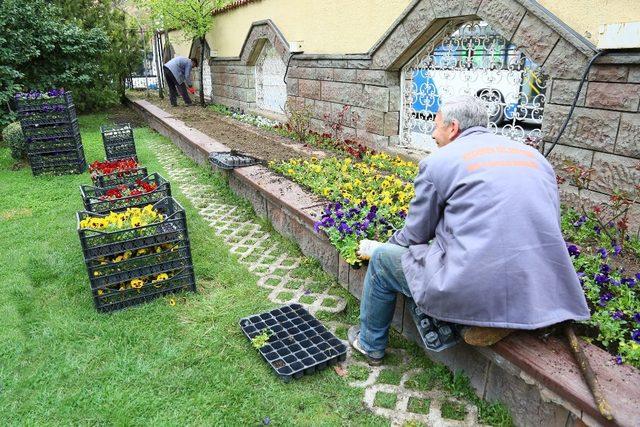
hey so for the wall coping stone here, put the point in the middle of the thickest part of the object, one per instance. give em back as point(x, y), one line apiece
point(548, 362)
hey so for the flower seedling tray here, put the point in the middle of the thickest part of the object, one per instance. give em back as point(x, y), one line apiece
point(117, 178)
point(436, 335)
point(298, 343)
point(156, 258)
point(58, 162)
point(231, 159)
point(96, 199)
point(118, 141)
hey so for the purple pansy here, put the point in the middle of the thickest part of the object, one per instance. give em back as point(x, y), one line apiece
point(603, 253)
point(580, 221)
point(636, 317)
point(619, 360)
point(601, 279)
point(617, 315)
point(573, 250)
point(604, 298)
point(635, 335)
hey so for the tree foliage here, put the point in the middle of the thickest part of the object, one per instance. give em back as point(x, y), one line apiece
point(38, 50)
point(192, 17)
point(81, 45)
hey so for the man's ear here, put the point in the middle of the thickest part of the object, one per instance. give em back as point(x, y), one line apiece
point(455, 129)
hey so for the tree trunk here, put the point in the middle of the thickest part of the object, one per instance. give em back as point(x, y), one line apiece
point(202, 42)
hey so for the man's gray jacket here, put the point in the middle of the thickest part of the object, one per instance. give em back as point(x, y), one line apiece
point(497, 257)
point(180, 67)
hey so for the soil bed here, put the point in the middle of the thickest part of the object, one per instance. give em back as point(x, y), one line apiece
point(236, 135)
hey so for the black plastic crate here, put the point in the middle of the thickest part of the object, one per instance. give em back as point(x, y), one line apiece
point(298, 343)
point(101, 199)
point(44, 105)
point(134, 265)
point(436, 335)
point(117, 178)
point(231, 159)
point(59, 162)
point(118, 141)
point(63, 129)
point(60, 116)
point(54, 145)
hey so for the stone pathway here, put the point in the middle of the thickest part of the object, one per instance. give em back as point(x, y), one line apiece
point(386, 389)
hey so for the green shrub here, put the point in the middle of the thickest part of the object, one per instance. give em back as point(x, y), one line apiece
point(12, 137)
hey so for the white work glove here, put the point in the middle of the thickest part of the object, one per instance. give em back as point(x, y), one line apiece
point(366, 248)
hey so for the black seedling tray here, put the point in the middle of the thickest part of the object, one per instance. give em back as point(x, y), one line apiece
point(231, 159)
point(298, 344)
point(436, 335)
point(117, 178)
point(93, 200)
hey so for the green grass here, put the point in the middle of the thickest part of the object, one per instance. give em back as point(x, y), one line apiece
point(63, 363)
point(453, 410)
point(390, 376)
point(418, 406)
point(385, 400)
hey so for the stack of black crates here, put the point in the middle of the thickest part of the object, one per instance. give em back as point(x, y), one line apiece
point(50, 128)
point(118, 142)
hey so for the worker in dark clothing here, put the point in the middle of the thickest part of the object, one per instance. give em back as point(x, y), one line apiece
point(177, 73)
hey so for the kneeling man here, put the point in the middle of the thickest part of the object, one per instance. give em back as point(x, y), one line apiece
point(481, 245)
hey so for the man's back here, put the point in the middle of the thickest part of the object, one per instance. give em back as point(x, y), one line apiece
point(498, 257)
point(180, 67)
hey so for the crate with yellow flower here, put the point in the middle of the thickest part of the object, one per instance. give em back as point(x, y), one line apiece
point(136, 254)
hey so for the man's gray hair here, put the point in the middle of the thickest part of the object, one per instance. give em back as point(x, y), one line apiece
point(467, 110)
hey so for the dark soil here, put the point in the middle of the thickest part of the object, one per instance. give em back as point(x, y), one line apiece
point(236, 135)
point(122, 114)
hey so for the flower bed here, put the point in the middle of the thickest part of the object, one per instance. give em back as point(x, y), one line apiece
point(369, 199)
point(112, 173)
point(136, 255)
point(150, 189)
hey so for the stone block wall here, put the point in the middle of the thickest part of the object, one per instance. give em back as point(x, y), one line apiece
point(604, 131)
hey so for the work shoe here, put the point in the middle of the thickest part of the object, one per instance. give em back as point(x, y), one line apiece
point(481, 336)
point(353, 335)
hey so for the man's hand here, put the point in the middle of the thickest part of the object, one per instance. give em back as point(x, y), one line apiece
point(191, 90)
point(366, 248)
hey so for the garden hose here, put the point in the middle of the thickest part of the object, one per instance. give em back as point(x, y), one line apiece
point(575, 99)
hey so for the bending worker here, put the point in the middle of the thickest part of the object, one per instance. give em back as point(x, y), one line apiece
point(481, 245)
point(177, 73)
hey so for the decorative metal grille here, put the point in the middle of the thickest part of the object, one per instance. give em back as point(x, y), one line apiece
point(271, 90)
point(472, 59)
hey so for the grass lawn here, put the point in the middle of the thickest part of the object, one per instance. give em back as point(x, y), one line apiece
point(63, 363)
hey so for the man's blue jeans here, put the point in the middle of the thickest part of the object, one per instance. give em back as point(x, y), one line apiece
point(382, 283)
